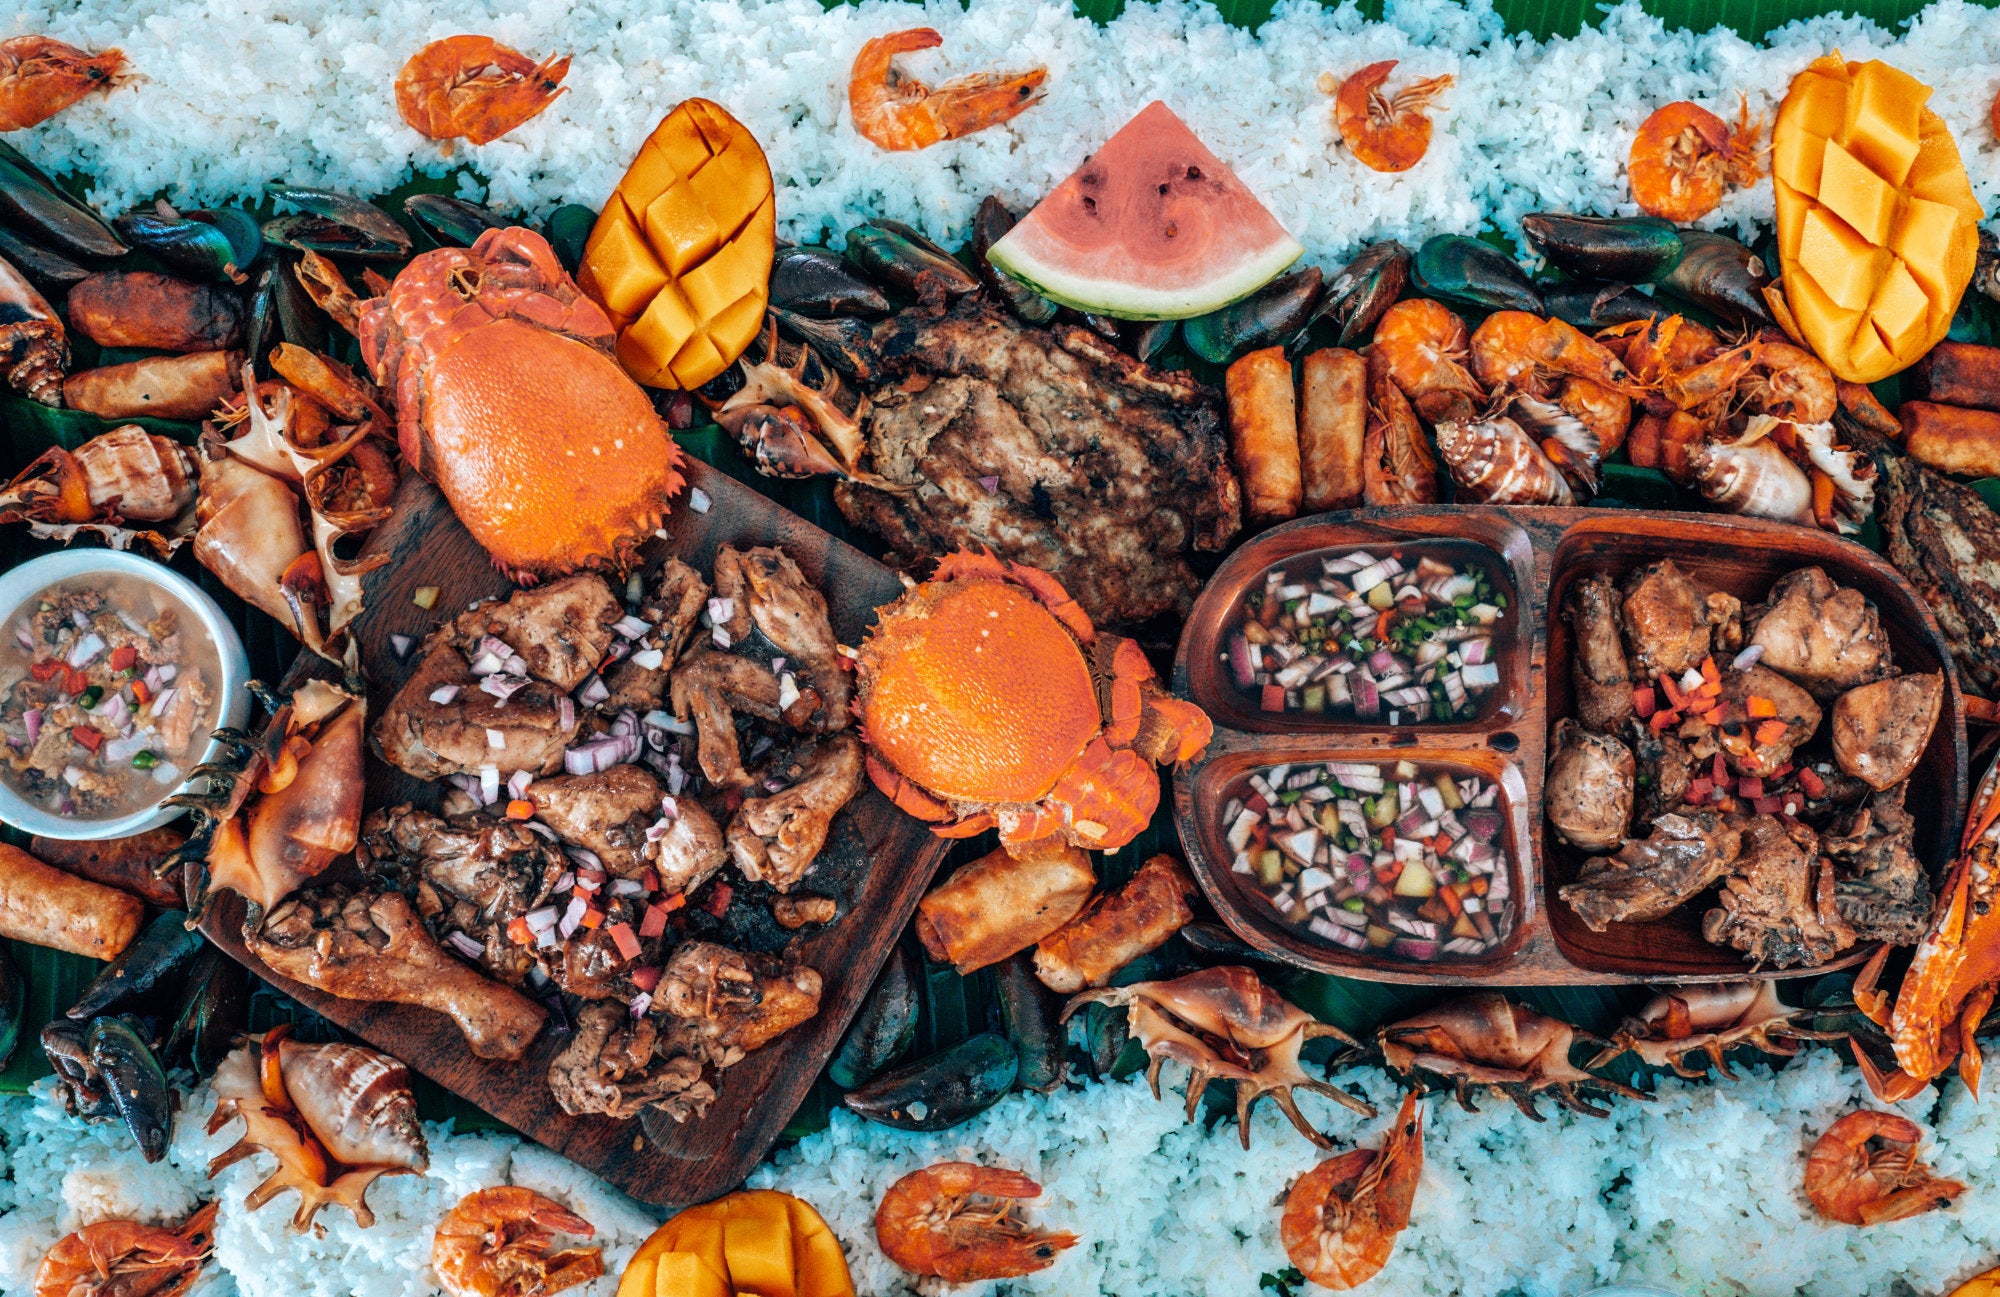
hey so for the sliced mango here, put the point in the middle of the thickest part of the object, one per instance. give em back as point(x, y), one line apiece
point(680, 257)
point(1877, 225)
point(752, 1243)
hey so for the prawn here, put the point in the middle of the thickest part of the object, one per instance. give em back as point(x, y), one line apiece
point(1774, 378)
point(39, 77)
point(498, 1243)
point(1521, 352)
point(1864, 1171)
point(1655, 349)
point(1342, 1217)
point(1396, 462)
point(957, 1221)
point(897, 113)
point(475, 87)
point(1423, 343)
point(1684, 158)
point(131, 1259)
point(1603, 410)
point(1384, 132)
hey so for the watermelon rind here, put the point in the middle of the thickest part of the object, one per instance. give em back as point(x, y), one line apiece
point(1121, 299)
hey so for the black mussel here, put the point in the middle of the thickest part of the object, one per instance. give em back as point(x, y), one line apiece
point(1148, 339)
point(1102, 325)
point(940, 1091)
point(1454, 268)
point(39, 208)
point(846, 344)
point(1105, 1033)
point(1363, 290)
point(1275, 314)
point(898, 256)
point(1985, 272)
point(217, 246)
point(1628, 249)
point(881, 1033)
point(1215, 944)
point(13, 1002)
point(260, 330)
point(567, 230)
point(335, 224)
point(213, 1012)
point(1032, 1015)
point(988, 225)
point(300, 321)
point(453, 222)
point(1719, 274)
point(50, 272)
point(819, 282)
point(136, 1082)
point(78, 1081)
point(1590, 305)
point(158, 959)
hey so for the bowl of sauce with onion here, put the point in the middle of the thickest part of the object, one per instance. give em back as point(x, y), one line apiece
point(115, 672)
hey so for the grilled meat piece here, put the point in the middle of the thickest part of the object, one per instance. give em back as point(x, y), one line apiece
point(775, 839)
point(673, 606)
point(1588, 793)
point(606, 813)
point(1103, 472)
point(1824, 636)
point(1665, 768)
point(1674, 620)
point(1648, 877)
point(1734, 733)
point(724, 1003)
point(1946, 542)
point(613, 1067)
point(1880, 729)
point(1777, 905)
point(1600, 677)
point(1880, 886)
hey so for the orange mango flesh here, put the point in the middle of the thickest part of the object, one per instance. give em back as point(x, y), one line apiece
point(1877, 225)
point(680, 258)
point(753, 1243)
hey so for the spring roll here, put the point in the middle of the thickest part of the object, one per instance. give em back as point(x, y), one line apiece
point(164, 387)
point(43, 906)
point(1264, 434)
point(1333, 420)
point(1960, 373)
point(1118, 927)
point(1002, 903)
point(124, 863)
point(1951, 439)
point(138, 308)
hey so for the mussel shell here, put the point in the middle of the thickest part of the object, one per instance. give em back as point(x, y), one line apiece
point(1032, 1015)
point(1465, 271)
point(1364, 289)
point(50, 272)
point(939, 1092)
point(1627, 249)
point(336, 224)
point(1105, 1033)
point(1215, 944)
point(13, 1001)
point(300, 321)
point(40, 209)
point(213, 1013)
point(1719, 274)
point(137, 1084)
point(567, 230)
point(66, 1044)
point(1149, 339)
point(895, 254)
point(819, 282)
point(846, 344)
point(453, 222)
point(882, 1031)
point(1274, 314)
point(158, 959)
point(213, 245)
point(989, 224)
point(1588, 305)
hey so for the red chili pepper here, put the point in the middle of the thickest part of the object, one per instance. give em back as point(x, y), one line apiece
point(1750, 786)
point(1771, 731)
point(123, 657)
point(1675, 694)
point(86, 738)
point(1644, 701)
point(719, 898)
point(47, 669)
point(1720, 771)
point(74, 681)
point(592, 917)
point(1661, 722)
point(1698, 792)
point(140, 692)
point(1273, 698)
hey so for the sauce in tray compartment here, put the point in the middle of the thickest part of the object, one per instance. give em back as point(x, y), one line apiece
point(1394, 858)
point(1372, 635)
point(109, 689)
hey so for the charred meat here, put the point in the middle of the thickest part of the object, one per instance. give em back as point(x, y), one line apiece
point(606, 813)
point(1880, 729)
point(1602, 681)
point(613, 1067)
point(1825, 636)
point(775, 838)
point(1647, 877)
point(1946, 542)
point(673, 603)
point(1880, 886)
point(725, 1003)
point(1778, 904)
point(1589, 790)
point(1674, 620)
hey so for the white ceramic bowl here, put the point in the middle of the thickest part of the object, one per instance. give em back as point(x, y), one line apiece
point(22, 583)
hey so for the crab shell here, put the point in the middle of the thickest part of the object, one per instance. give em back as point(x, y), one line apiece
point(1710, 1020)
point(988, 700)
point(1488, 1041)
point(509, 397)
point(1226, 1025)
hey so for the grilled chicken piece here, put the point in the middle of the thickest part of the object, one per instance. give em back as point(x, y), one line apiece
point(1880, 886)
point(725, 1003)
point(606, 813)
point(1050, 448)
point(775, 839)
point(1824, 636)
point(1664, 769)
point(1778, 904)
point(369, 945)
point(1602, 681)
point(691, 849)
point(710, 687)
point(776, 613)
point(673, 606)
point(561, 630)
point(1673, 620)
point(1946, 542)
point(1734, 733)
point(1880, 729)
point(1588, 793)
point(472, 874)
point(610, 1068)
point(1649, 876)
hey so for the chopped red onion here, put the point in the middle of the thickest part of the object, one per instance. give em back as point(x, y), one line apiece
point(501, 685)
point(166, 773)
point(698, 499)
point(648, 659)
point(537, 827)
point(159, 706)
point(788, 691)
point(593, 692)
point(626, 723)
point(720, 609)
point(401, 645)
point(167, 672)
point(573, 916)
point(23, 637)
point(517, 783)
point(586, 857)
point(627, 887)
point(495, 739)
point(487, 663)
point(590, 880)
point(72, 776)
point(444, 695)
point(631, 627)
point(619, 650)
point(1747, 658)
point(564, 883)
point(113, 709)
point(463, 944)
point(720, 638)
point(489, 780)
point(566, 712)
point(66, 806)
point(86, 650)
point(79, 619)
point(154, 680)
point(641, 1002)
point(676, 777)
point(542, 920)
point(123, 749)
point(670, 808)
point(32, 718)
point(990, 483)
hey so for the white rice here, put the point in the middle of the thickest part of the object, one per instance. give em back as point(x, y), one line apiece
point(1698, 1192)
point(237, 92)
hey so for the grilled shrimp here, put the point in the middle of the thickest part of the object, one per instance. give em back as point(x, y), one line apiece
point(1425, 346)
point(475, 87)
point(957, 1221)
point(1396, 462)
point(125, 1257)
point(1342, 1217)
point(897, 112)
point(39, 77)
point(1864, 1171)
point(1684, 158)
point(499, 1243)
point(1518, 351)
point(1384, 132)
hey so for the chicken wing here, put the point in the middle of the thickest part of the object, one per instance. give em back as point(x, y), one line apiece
point(606, 813)
point(1649, 876)
point(1673, 620)
point(672, 608)
point(612, 1067)
point(1825, 636)
point(1601, 679)
point(775, 839)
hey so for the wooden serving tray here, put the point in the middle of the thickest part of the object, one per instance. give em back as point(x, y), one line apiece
point(1539, 552)
point(876, 863)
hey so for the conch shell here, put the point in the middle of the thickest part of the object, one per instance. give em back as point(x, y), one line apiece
point(1496, 462)
point(123, 476)
point(1752, 476)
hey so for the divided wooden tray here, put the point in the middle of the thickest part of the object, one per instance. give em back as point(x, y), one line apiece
point(1539, 552)
point(876, 864)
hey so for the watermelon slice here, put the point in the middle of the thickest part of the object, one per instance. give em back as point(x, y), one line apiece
point(1151, 227)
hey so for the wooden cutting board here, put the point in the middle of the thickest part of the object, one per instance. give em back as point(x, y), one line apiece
point(876, 864)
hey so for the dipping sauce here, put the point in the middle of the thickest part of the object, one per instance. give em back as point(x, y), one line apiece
point(1383, 636)
point(109, 689)
point(1394, 858)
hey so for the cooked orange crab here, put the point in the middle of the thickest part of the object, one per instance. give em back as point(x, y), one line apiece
point(988, 700)
point(509, 397)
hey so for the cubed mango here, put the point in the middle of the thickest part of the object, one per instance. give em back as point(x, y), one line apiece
point(1884, 116)
point(1856, 195)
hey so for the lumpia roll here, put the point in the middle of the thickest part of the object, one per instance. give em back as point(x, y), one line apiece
point(124, 863)
point(1264, 434)
point(1333, 420)
point(43, 906)
point(1952, 440)
point(1002, 903)
point(1118, 927)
